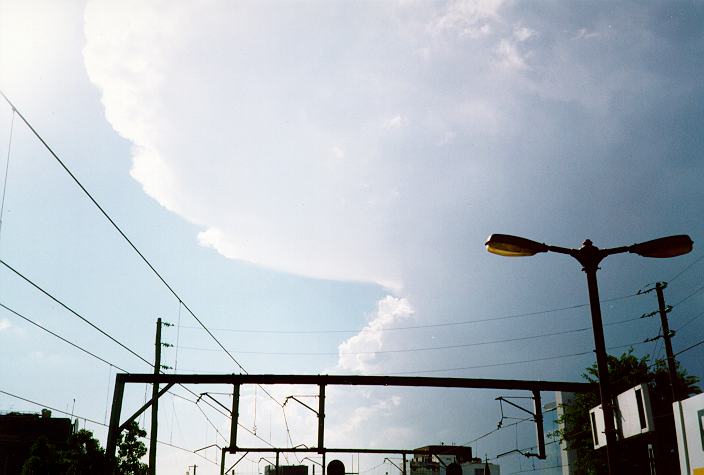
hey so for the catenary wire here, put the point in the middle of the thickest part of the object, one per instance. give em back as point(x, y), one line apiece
point(516, 362)
point(87, 419)
point(695, 292)
point(127, 239)
point(689, 348)
point(94, 326)
point(689, 321)
point(687, 267)
point(7, 169)
point(114, 224)
point(408, 350)
point(181, 303)
point(60, 337)
point(418, 327)
point(86, 321)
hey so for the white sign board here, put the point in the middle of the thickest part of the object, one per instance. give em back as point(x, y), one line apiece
point(632, 415)
point(689, 423)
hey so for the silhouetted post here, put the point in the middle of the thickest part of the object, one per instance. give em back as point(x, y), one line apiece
point(590, 259)
point(155, 401)
point(539, 430)
point(671, 363)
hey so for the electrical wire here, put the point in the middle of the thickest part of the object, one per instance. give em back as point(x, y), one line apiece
point(508, 363)
point(687, 267)
point(288, 431)
point(83, 319)
point(411, 350)
point(124, 236)
point(53, 409)
point(83, 349)
point(689, 348)
point(695, 292)
point(92, 421)
point(689, 321)
point(94, 326)
point(417, 327)
point(78, 347)
point(7, 169)
point(117, 228)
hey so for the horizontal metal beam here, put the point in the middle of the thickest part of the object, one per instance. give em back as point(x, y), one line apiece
point(272, 450)
point(355, 380)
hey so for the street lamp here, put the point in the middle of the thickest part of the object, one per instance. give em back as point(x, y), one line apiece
point(590, 256)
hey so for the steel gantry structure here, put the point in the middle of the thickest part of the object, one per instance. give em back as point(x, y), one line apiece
point(322, 381)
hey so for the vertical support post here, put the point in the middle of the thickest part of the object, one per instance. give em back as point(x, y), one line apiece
point(324, 469)
point(277, 463)
point(321, 421)
point(235, 415)
point(155, 401)
point(591, 265)
point(115, 412)
point(671, 363)
point(222, 460)
point(403, 472)
point(539, 430)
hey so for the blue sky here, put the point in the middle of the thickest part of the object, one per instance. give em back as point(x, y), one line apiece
point(330, 166)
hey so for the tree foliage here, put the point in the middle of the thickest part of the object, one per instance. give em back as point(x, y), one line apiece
point(83, 455)
point(130, 449)
point(626, 371)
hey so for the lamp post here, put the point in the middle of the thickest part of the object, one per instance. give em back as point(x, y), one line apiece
point(590, 256)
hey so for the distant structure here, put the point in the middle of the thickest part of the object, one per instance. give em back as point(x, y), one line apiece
point(435, 459)
point(286, 470)
point(18, 431)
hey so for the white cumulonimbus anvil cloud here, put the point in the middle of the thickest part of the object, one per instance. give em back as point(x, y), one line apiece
point(374, 142)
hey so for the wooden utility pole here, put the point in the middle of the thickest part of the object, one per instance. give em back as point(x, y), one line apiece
point(155, 401)
point(666, 335)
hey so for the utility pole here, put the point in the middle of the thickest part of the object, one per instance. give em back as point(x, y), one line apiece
point(666, 335)
point(194, 468)
point(155, 402)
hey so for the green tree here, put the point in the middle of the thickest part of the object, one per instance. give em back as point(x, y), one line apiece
point(42, 460)
point(626, 371)
point(83, 455)
point(130, 450)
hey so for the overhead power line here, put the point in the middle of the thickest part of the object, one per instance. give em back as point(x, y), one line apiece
point(411, 350)
point(72, 311)
point(689, 348)
point(7, 169)
point(103, 332)
point(690, 321)
point(508, 363)
point(687, 267)
point(692, 294)
point(118, 229)
point(53, 409)
point(92, 421)
point(403, 350)
point(418, 327)
point(127, 239)
point(60, 337)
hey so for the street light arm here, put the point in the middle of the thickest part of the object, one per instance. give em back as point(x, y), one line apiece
point(561, 250)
